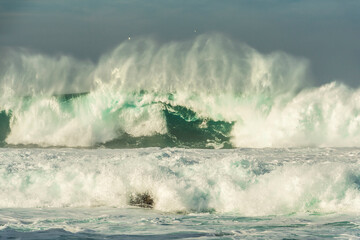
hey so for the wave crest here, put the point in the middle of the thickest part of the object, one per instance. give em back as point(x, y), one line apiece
point(207, 92)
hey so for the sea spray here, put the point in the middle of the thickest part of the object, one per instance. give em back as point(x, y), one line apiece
point(27, 73)
point(210, 92)
point(208, 64)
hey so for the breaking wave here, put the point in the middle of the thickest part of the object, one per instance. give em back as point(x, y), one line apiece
point(210, 92)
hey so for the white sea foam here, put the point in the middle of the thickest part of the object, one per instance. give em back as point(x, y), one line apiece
point(247, 182)
point(95, 118)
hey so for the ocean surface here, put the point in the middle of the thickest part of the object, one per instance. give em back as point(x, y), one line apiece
point(199, 139)
point(198, 193)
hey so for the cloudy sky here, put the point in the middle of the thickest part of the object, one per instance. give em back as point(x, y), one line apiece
point(327, 32)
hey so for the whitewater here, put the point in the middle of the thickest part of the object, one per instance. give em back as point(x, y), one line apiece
point(204, 138)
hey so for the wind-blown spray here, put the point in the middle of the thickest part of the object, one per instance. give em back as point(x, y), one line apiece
point(207, 92)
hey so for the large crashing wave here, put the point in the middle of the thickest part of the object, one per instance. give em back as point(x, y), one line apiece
point(208, 92)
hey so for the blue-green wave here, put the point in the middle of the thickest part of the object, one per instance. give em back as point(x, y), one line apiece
point(184, 130)
point(209, 92)
point(184, 127)
point(4, 126)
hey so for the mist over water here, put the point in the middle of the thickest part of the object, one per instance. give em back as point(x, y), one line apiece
point(218, 92)
point(210, 63)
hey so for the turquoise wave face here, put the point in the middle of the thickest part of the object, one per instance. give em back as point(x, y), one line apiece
point(4, 126)
point(136, 119)
point(184, 129)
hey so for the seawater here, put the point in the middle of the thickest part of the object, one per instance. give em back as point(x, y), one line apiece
point(225, 141)
point(198, 194)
